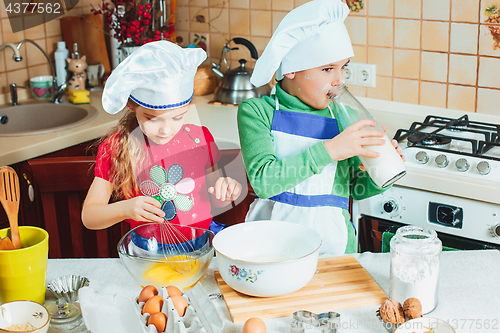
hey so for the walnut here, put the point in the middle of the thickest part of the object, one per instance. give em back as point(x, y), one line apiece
point(391, 311)
point(412, 308)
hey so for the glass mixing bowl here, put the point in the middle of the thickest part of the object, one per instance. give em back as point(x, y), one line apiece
point(163, 254)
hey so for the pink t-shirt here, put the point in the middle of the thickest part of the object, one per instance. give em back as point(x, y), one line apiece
point(184, 159)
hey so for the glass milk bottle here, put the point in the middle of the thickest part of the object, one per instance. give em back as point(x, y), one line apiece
point(388, 167)
point(414, 272)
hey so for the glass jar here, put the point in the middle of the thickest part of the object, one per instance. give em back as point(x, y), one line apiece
point(388, 167)
point(414, 269)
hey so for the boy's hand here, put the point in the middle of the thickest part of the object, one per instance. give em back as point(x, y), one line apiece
point(398, 149)
point(225, 188)
point(144, 208)
point(351, 140)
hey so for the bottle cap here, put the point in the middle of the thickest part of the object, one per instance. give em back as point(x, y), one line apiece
point(61, 45)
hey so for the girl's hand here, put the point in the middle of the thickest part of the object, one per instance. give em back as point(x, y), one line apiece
point(395, 145)
point(350, 142)
point(145, 209)
point(225, 188)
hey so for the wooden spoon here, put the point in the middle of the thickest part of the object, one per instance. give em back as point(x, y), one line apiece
point(6, 244)
point(9, 197)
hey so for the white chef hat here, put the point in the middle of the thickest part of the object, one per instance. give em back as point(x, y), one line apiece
point(310, 36)
point(159, 75)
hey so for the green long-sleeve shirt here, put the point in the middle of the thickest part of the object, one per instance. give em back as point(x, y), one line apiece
point(270, 176)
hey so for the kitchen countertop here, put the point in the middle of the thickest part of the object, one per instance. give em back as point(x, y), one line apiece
point(468, 295)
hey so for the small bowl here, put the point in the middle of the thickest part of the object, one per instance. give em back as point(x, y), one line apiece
point(22, 313)
point(267, 258)
point(425, 324)
point(149, 253)
point(67, 287)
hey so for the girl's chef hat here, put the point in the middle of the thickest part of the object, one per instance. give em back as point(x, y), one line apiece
point(310, 36)
point(159, 75)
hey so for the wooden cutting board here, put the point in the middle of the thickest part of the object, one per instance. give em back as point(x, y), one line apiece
point(87, 31)
point(339, 282)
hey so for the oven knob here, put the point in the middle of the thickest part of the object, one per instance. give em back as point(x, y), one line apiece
point(422, 157)
point(442, 161)
point(483, 167)
point(495, 230)
point(390, 206)
point(462, 165)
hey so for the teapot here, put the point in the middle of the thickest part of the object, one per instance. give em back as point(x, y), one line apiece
point(235, 86)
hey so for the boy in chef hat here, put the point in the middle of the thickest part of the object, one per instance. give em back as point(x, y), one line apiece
point(152, 152)
point(300, 162)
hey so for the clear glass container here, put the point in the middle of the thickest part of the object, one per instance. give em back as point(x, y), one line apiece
point(414, 269)
point(388, 167)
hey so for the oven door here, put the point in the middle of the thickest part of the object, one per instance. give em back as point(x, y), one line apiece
point(374, 235)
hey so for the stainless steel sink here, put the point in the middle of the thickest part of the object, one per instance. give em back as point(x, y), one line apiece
point(40, 118)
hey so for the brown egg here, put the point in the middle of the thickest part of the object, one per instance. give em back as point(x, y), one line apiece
point(153, 305)
point(180, 304)
point(159, 320)
point(254, 325)
point(173, 290)
point(146, 293)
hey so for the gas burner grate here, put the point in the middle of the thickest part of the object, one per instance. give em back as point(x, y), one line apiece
point(462, 123)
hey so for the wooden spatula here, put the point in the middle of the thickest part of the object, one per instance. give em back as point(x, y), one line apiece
point(9, 197)
point(6, 244)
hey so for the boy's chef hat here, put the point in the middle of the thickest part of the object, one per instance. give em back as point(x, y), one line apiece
point(159, 75)
point(310, 36)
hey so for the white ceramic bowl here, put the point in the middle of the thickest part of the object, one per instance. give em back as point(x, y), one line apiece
point(22, 313)
point(267, 258)
point(425, 324)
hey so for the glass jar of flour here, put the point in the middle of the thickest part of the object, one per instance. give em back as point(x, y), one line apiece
point(415, 266)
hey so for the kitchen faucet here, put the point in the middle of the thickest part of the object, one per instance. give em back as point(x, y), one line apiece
point(57, 92)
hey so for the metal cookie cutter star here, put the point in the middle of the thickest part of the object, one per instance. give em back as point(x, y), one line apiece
point(305, 321)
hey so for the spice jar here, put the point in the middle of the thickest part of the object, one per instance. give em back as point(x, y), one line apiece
point(415, 266)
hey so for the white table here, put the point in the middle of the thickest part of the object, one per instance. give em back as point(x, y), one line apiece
point(469, 296)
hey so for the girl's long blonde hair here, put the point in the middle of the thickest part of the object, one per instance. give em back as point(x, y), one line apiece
point(126, 154)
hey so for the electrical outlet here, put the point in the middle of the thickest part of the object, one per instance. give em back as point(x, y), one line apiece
point(200, 39)
point(360, 74)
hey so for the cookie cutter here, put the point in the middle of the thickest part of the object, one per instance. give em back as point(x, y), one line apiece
point(306, 321)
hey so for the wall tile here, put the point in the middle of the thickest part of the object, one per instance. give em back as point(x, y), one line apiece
point(461, 98)
point(380, 32)
point(260, 23)
point(3, 12)
point(407, 9)
point(2, 63)
point(465, 11)
point(433, 94)
point(487, 101)
point(217, 42)
point(485, 4)
point(53, 28)
point(19, 77)
point(488, 72)
point(486, 42)
point(215, 3)
point(277, 17)
point(407, 34)
point(194, 25)
point(405, 91)
point(260, 4)
point(463, 69)
point(406, 64)
point(435, 36)
point(239, 22)
point(436, 10)
point(434, 66)
point(383, 89)
point(382, 57)
point(464, 38)
point(300, 2)
point(8, 35)
point(243, 4)
point(356, 26)
point(359, 54)
point(383, 8)
point(51, 46)
point(4, 86)
point(182, 19)
point(260, 43)
point(38, 31)
point(39, 70)
point(358, 91)
point(282, 5)
point(34, 56)
point(219, 18)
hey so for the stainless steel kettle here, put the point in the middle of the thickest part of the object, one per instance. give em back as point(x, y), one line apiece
point(235, 86)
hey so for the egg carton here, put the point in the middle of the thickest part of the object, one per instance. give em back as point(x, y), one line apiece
point(104, 314)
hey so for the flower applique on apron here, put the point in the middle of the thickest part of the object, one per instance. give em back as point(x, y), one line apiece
point(311, 202)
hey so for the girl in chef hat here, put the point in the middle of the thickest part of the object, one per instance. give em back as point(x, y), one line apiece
point(152, 165)
point(300, 162)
